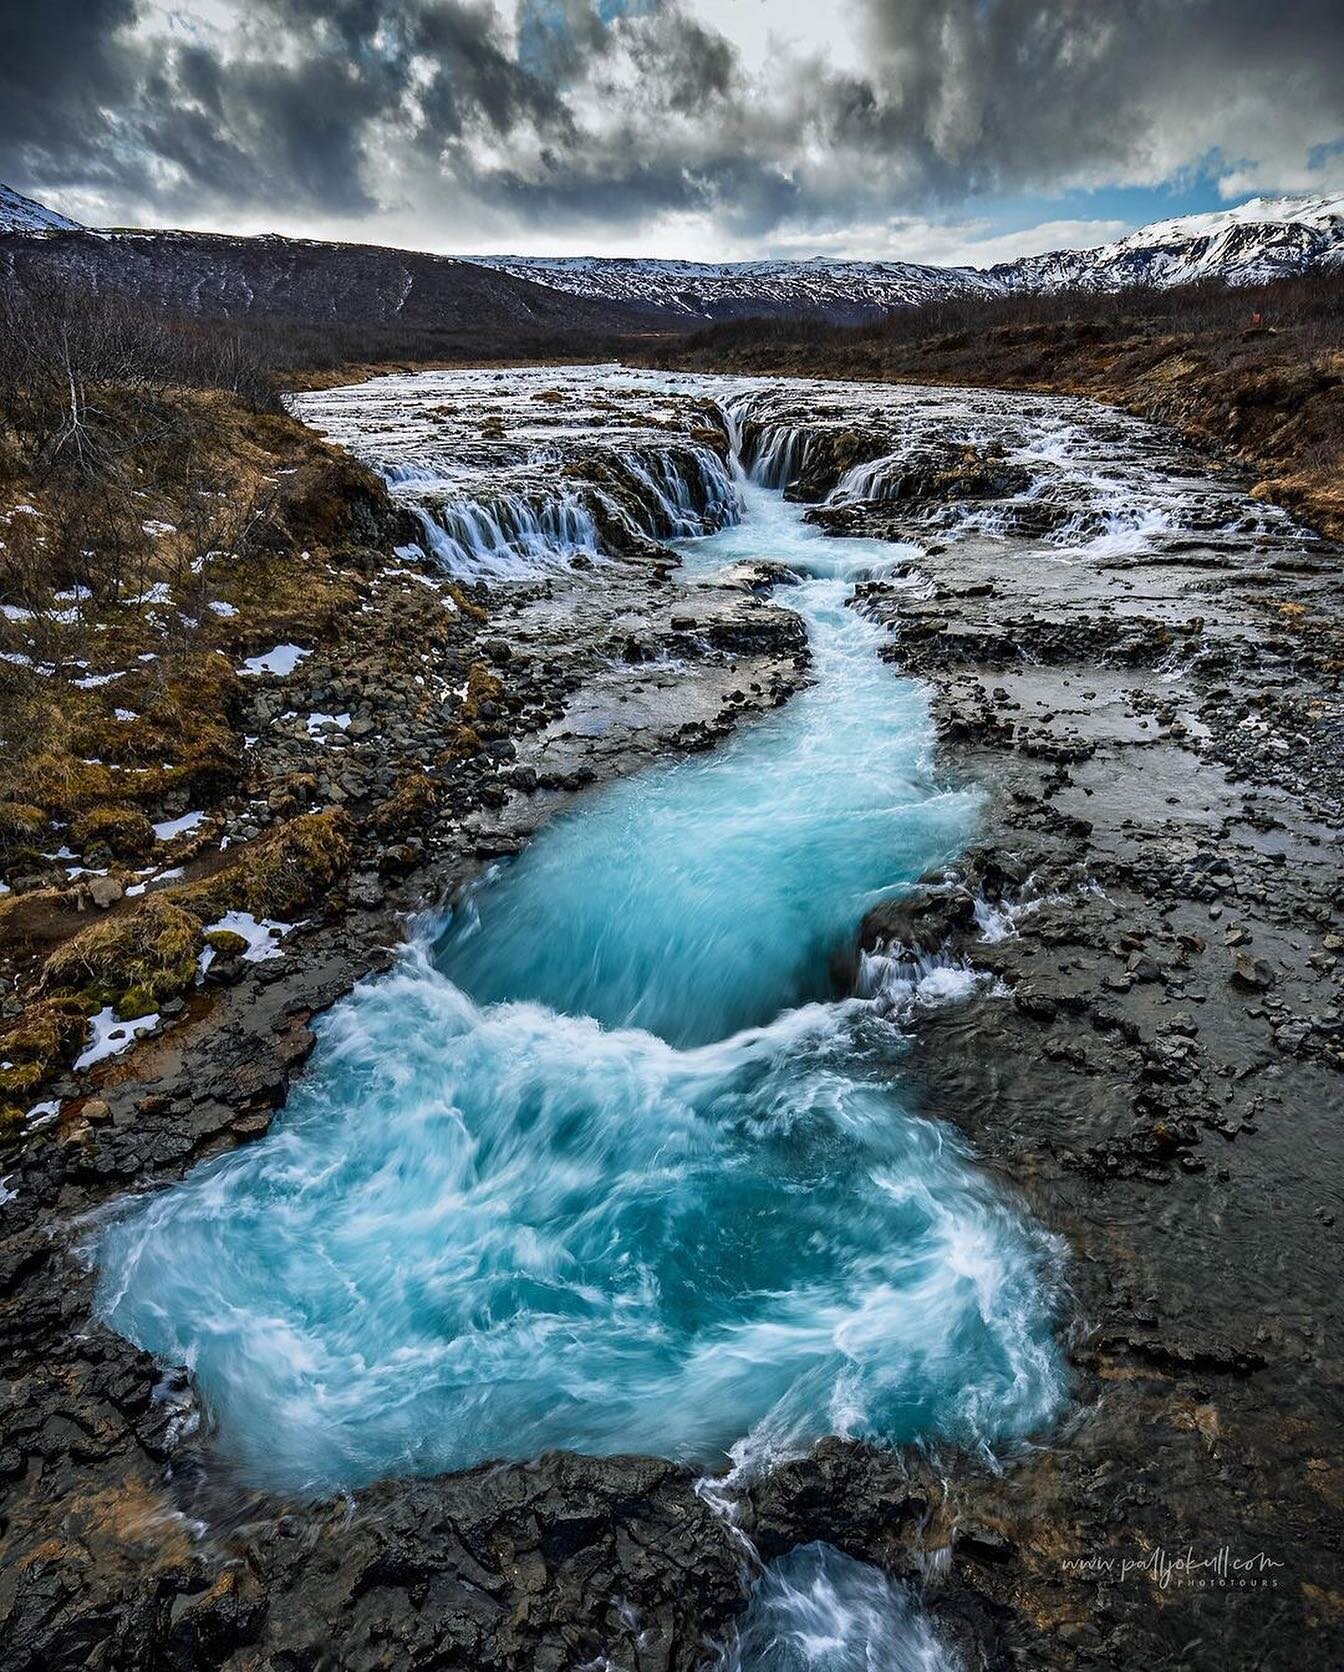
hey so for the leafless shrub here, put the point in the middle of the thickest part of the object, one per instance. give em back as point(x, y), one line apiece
point(85, 377)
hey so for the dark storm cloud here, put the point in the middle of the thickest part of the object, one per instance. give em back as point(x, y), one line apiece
point(1018, 92)
point(474, 81)
point(61, 66)
point(615, 110)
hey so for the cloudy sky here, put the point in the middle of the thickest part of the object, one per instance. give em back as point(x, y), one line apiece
point(935, 130)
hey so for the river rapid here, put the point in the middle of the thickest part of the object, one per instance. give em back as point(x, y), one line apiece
point(606, 1163)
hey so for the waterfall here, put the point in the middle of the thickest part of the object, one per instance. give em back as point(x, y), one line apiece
point(518, 534)
point(866, 481)
point(686, 491)
point(509, 537)
point(421, 474)
point(816, 1610)
point(769, 454)
point(775, 453)
point(605, 1166)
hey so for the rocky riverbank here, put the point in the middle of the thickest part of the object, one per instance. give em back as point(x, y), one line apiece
point(1141, 668)
point(1153, 1056)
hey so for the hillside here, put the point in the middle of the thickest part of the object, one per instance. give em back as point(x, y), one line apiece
point(1254, 243)
point(843, 292)
point(25, 215)
point(361, 286)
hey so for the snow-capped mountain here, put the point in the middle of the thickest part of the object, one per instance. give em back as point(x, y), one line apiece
point(841, 290)
point(1263, 239)
point(1266, 238)
point(22, 214)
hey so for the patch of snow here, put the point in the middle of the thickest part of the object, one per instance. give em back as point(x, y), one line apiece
point(261, 935)
point(155, 876)
point(26, 215)
point(282, 660)
point(317, 721)
point(156, 529)
point(125, 714)
point(177, 827)
point(111, 1036)
point(91, 681)
point(221, 608)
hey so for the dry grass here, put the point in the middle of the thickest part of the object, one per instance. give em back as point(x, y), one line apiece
point(281, 874)
point(158, 482)
point(133, 961)
point(47, 1035)
point(412, 801)
point(117, 832)
point(146, 950)
point(169, 485)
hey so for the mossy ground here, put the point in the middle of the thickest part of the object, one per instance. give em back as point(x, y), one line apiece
point(133, 960)
point(122, 705)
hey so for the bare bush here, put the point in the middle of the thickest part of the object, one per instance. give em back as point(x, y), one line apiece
point(85, 376)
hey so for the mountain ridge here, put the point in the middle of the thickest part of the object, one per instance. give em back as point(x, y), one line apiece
point(221, 273)
point(307, 282)
point(1251, 243)
point(25, 214)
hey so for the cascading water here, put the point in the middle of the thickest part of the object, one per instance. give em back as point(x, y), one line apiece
point(683, 495)
point(518, 535)
point(601, 1165)
point(508, 538)
point(489, 531)
point(816, 1610)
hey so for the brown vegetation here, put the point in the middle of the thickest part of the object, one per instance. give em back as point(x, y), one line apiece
point(161, 517)
point(132, 961)
point(288, 869)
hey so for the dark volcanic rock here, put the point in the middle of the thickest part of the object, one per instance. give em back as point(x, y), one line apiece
point(552, 1564)
point(922, 921)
